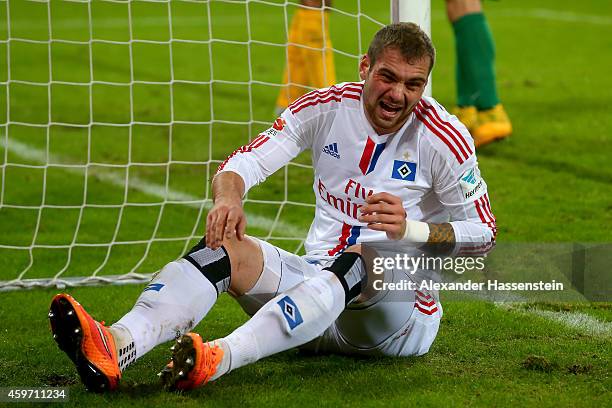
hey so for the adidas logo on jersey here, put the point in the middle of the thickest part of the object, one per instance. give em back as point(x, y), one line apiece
point(332, 150)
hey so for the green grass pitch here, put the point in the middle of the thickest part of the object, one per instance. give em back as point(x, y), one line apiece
point(551, 182)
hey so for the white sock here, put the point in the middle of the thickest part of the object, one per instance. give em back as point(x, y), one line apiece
point(126, 349)
point(224, 366)
point(175, 301)
point(289, 320)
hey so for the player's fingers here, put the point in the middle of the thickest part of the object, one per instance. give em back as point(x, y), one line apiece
point(210, 222)
point(379, 227)
point(386, 197)
point(380, 207)
point(374, 198)
point(241, 227)
point(233, 217)
point(381, 218)
point(218, 228)
point(370, 208)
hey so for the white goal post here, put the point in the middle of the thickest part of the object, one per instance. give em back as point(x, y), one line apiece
point(115, 114)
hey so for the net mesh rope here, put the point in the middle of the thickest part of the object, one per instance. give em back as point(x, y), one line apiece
point(65, 108)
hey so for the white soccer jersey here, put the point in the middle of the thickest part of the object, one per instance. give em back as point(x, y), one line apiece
point(429, 163)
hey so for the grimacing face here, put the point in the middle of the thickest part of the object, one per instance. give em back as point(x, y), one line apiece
point(392, 88)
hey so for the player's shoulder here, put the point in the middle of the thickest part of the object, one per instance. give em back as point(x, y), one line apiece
point(342, 95)
point(443, 133)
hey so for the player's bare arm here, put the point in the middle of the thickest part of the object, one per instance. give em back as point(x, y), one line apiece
point(385, 212)
point(226, 218)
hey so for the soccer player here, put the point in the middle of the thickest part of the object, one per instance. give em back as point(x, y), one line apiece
point(310, 61)
point(389, 164)
point(478, 105)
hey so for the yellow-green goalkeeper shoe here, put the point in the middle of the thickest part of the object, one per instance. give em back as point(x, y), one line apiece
point(492, 124)
point(468, 115)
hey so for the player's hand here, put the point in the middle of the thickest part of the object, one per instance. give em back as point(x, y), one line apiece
point(225, 220)
point(384, 212)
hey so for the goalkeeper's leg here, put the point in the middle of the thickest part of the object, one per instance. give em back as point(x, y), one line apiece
point(175, 301)
point(322, 70)
point(479, 107)
point(295, 76)
point(290, 319)
point(310, 62)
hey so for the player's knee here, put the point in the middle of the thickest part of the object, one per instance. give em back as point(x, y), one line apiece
point(247, 262)
point(234, 267)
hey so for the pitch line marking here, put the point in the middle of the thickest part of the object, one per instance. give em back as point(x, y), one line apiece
point(582, 322)
point(577, 320)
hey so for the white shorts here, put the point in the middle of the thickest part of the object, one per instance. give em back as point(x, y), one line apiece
point(390, 324)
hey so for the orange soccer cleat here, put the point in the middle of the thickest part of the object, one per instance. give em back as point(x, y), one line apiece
point(193, 363)
point(88, 343)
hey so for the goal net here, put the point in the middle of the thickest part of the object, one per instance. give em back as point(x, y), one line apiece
point(114, 116)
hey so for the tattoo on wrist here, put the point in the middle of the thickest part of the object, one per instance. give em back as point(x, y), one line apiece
point(441, 239)
point(441, 234)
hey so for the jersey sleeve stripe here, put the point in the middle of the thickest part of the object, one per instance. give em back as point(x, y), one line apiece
point(351, 86)
point(258, 141)
point(317, 102)
point(486, 199)
point(331, 90)
point(255, 143)
point(420, 116)
point(484, 216)
point(331, 94)
point(487, 207)
point(477, 250)
point(450, 127)
point(427, 112)
point(322, 100)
